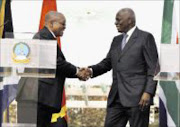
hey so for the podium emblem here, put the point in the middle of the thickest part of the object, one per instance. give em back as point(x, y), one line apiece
point(21, 53)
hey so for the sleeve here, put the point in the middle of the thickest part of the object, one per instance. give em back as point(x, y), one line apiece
point(65, 68)
point(151, 58)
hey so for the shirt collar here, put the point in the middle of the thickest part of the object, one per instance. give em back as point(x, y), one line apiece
point(129, 33)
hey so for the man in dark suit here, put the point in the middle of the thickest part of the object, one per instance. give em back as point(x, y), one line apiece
point(38, 98)
point(133, 58)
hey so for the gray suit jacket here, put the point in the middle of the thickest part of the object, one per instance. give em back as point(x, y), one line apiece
point(133, 67)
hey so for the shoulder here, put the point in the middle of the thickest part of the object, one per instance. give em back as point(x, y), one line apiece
point(147, 37)
point(37, 36)
point(42, 34)
point(118, 37)
point(144, 34)
point(116, 40)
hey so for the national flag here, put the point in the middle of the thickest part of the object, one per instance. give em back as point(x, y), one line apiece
point(8, 86)
point(58, 119)
point(169, 91)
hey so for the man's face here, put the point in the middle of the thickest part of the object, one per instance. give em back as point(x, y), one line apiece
point(59, 25)
point(122, 21)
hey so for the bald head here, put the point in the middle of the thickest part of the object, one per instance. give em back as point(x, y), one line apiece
point(125, 20)
point(56, 22)
point(129, 13)
point(52, 16)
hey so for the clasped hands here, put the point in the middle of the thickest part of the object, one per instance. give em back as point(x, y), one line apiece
point(84, 73)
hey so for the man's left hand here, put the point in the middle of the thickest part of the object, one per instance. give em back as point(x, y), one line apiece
point(144, 102)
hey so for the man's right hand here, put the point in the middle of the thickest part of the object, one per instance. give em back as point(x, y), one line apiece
point(84, 74)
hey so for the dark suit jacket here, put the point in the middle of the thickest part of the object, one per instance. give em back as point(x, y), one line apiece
point(133, 67)
point(47, 91)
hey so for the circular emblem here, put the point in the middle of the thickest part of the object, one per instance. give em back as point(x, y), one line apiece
point(21, 53)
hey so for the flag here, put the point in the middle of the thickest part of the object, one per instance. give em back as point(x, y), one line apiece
point(58, 119)
point(8, 87)
point(169, 91)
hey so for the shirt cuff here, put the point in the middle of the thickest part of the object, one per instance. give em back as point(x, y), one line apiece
point(91, 72)
point(77, 70)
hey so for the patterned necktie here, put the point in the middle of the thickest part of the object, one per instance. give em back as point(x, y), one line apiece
point(124, 40)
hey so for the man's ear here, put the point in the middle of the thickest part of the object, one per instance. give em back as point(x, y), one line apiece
point(129, 21)
point(51, 24)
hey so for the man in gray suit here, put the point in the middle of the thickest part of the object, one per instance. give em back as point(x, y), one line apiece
point(133, 58)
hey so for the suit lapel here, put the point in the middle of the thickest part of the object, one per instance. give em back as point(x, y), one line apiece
point(130, 42)
point(119, 46)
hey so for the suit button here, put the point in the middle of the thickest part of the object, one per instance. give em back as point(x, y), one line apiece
point(119, 61)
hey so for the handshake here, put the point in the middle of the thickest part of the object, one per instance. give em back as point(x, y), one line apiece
point(84, 74)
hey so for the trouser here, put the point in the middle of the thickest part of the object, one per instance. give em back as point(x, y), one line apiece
point(33, 113)
point(118, 115)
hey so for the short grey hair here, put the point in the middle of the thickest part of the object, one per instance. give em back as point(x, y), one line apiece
point(131, 14)
point(52, 15)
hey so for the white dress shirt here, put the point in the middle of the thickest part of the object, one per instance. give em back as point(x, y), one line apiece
point(129, 33)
